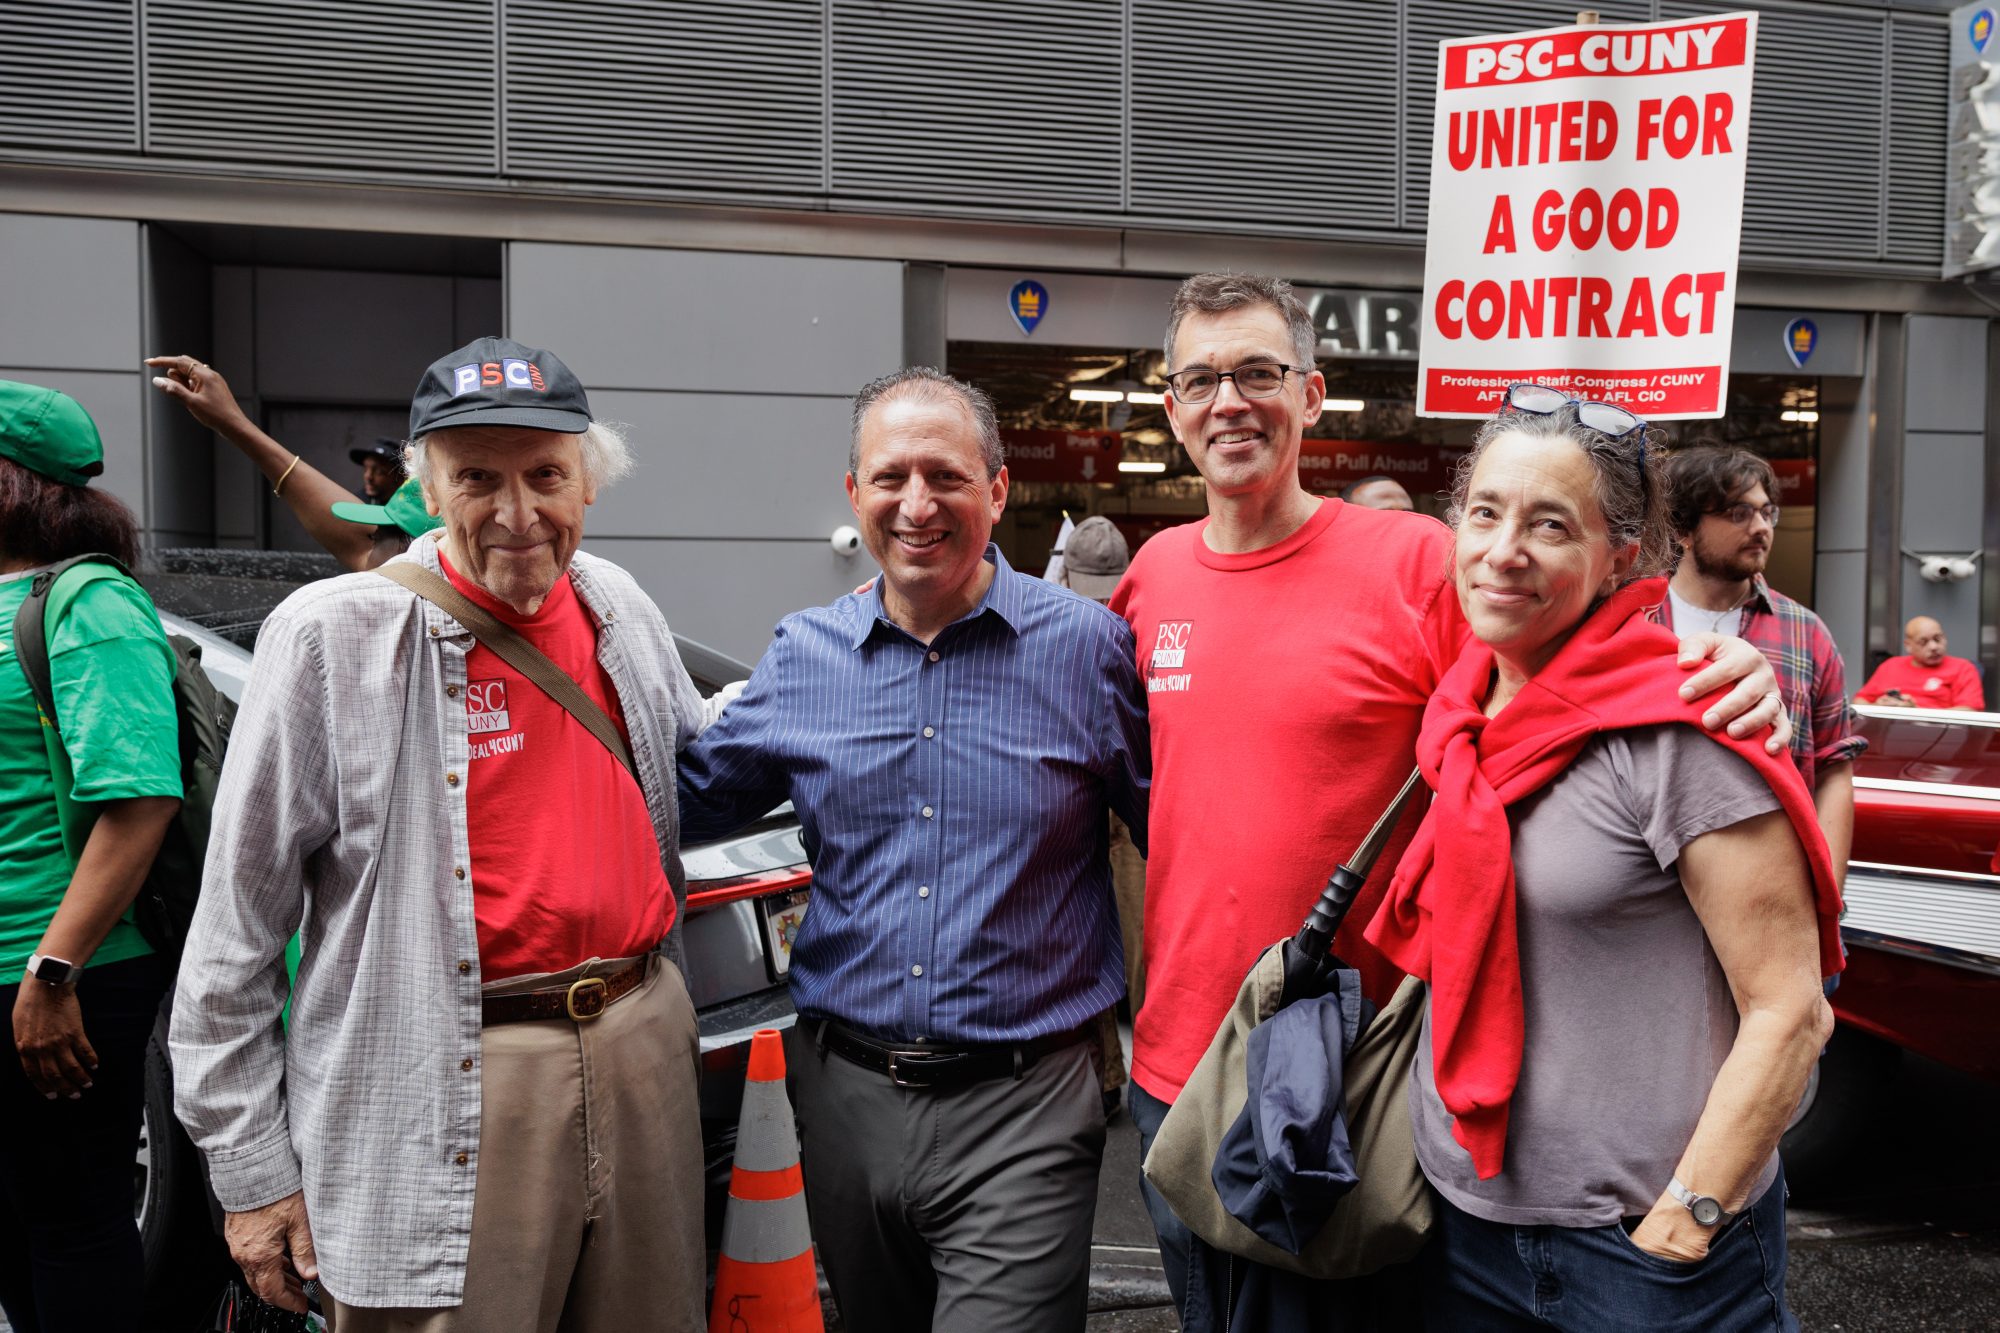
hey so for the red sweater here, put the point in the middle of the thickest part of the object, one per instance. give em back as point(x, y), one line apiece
point(1449, 913)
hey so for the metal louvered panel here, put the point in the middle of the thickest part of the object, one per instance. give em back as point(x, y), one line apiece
point(1918, 111)
point(370, 84)
point(694, 95)
point(1218, 141)
point(1813, 185)
point(69, 74)
point(1015, 105)
point(1432, 21)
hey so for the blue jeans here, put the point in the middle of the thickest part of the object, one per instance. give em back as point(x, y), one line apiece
point(1485, 1276)
point(1147, 1113)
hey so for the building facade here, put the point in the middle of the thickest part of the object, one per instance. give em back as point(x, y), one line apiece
point(727, 217)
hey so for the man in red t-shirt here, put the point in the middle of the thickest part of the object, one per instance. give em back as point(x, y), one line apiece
point(484, 1117)
point(1289, 644)
point(1924, 677)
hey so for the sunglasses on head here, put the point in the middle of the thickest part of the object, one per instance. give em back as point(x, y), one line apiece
point(1606, 419)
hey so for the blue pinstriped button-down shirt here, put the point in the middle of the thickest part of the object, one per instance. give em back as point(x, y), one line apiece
point(952, 799)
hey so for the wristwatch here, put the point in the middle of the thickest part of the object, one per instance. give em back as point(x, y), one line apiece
point(54, 971)
point(1707, 1212)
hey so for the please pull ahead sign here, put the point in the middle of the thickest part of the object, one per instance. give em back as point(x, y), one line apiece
point(1586, 206)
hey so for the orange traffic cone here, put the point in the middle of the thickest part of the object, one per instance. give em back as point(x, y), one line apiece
point(765, 1281)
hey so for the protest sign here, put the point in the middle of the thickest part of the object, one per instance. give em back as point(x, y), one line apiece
point(1585, 210)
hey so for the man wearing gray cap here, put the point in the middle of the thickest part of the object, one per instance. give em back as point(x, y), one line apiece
point(483, 1115)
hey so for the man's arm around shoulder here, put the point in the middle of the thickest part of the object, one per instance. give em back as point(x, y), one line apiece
point(1124, 732)
point(729, 774)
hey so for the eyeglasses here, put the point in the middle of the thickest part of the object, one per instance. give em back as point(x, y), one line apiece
point(1259, 379)
point(1606, 419)
point(1740, 513)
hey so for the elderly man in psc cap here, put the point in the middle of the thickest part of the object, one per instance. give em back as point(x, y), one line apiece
point(483, 1116)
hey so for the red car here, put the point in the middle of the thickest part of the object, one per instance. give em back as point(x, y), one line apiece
point(1922, 924)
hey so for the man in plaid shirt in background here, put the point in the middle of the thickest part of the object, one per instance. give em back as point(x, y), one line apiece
point(1719, 502)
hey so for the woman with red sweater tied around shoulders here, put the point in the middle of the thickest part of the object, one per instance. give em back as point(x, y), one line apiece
point(1624, 920)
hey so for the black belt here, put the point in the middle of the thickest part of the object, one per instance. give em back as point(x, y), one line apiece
point(938, 1064)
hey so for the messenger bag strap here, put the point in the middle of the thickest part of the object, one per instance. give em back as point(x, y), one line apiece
point(511, 648)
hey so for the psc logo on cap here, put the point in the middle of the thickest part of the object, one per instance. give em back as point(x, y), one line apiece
point(499, 382)
point(514, 372)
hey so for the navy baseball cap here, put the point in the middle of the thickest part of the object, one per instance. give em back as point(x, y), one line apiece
point(499, 382)
point(388, 450)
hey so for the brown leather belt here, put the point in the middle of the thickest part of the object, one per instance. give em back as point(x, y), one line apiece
point(580, 1001)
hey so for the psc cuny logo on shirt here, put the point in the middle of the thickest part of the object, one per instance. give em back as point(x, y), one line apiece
point(1170, 650)
point(486, 714)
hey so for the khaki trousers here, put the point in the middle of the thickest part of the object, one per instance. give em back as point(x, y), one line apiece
point(587, 1210)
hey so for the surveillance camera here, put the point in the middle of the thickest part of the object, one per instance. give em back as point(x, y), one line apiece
point(846, 541)
point(1936, 568)
point(1959, 570)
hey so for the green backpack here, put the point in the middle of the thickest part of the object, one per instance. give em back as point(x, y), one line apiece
point(166, 901)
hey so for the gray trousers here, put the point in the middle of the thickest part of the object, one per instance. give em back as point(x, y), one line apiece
point(963, 1210)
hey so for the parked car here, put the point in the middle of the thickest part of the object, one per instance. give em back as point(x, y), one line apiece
point(746, 898)
point(1922, 927)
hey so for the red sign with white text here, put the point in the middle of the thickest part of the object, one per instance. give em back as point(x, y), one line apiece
point(1585, 213)
point(1798, 481)
point(1328, 465)
point(1062, 455)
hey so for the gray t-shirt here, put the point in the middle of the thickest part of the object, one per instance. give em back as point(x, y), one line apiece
point(1627, 1013)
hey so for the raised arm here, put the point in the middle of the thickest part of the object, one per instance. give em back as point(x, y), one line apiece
point(1750, 885)
point(308, 492)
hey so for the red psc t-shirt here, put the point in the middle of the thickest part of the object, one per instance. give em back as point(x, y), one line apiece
point(565, 863)
point(1285, 688)
point(1952, 683)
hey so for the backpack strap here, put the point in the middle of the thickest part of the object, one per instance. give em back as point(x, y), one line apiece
point(31, 633)
point(511, 648)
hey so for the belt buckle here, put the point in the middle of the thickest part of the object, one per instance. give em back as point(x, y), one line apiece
point(586, 998)
point(896, 1077)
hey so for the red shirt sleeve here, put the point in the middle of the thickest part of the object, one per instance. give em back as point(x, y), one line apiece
point(1966, 691)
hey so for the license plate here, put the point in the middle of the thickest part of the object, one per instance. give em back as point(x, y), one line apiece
point(784, 915)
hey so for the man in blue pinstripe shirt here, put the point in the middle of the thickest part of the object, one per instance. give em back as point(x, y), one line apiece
point(952, 738)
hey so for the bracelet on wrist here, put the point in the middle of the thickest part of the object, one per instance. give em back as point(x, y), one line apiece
point(279, 488)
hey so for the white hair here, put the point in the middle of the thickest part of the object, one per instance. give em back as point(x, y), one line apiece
point(607, 454)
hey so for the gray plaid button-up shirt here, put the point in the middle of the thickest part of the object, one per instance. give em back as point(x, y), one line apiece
point(342, 816)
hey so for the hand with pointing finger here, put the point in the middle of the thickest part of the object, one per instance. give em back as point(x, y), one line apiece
point(201, 389)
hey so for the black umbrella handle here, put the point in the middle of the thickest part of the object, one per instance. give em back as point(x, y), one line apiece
point(1315, 937)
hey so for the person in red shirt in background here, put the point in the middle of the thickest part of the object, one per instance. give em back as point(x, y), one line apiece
point(1289, 644)
point(1924, 677)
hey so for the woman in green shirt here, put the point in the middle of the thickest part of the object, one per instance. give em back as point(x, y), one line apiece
point(81, 984)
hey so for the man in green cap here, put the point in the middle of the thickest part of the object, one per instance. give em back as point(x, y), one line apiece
point(397, 523)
